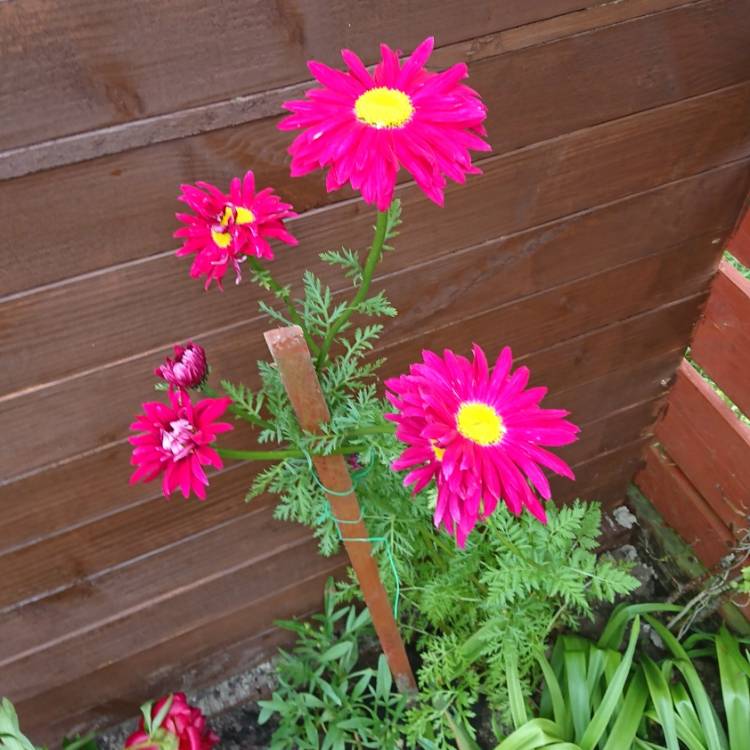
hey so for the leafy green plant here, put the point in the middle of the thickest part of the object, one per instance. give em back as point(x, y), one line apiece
point(472, 612)
point(11, 737)
point(324, 698)
point(595, 696)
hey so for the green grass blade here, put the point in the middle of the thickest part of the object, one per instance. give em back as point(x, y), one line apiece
point(686, 734)
point(552, 689)
point(661, 699)
point(614, 631)
point(515, 690)
point(574, 660)
point(695, 685)
point(603, 714)
point(532, 735)
point(630, 715)
point(463, 738)
point(734, 690)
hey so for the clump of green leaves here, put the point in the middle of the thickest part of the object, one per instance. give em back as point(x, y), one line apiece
point(471, 613)
point(325, 699)
point(12, 738)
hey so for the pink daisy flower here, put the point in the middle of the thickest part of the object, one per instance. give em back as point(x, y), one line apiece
point(225, 228)
point(478, 434)
point(174, 440)
point(188, 369)
point(363, 127)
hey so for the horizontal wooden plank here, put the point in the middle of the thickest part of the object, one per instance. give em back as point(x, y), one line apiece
point(739, 245)
point(64, 560)
point(192, 659)
point(701, 69)
point(604, 478)
point(683, 508)
point(611, 431)
point(95, 486)
point(86, 67)
point(529, 99)
point(721, 344)
point(96, 314)
point(532, 322)
point(204, 590)
point(709, 444)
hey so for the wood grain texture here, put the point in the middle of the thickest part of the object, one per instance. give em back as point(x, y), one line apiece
point(96, 317)
point(709, 444)
point(78, 66)
point(683, 507)
point(193, 658)
point(654, 48)
point(532, 94)
point(721, 344)
point(529, 323)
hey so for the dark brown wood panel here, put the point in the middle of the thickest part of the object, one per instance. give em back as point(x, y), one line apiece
point(529, 323)
point(520, 190)
point(80, 65)
point(192, 659)
point(681, 53)
point(244, 108)
point(63, 560)
point(248, 552)
point(710, 444)
point(721, 344)
point(603, 478)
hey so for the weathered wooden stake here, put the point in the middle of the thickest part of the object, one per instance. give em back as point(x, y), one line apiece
point(292, 357)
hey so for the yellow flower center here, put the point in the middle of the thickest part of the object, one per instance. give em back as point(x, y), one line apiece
point(384, 107)
point(231, 215)
point(437, 450)
point(480, 423)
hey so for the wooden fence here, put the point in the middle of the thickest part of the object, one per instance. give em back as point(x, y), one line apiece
point(621, 154)
point(697, 474)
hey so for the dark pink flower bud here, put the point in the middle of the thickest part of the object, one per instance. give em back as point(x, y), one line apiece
point(188, 369)
point(183, 728)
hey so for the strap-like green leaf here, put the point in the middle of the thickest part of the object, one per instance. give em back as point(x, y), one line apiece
point(515, 691)
point(695, 685)
point(603, 714)
point(734, 690)
point(661, 699)
point(532, 735)
point(630, 715)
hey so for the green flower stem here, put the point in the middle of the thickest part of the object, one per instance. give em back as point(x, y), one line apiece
point(377, 429)
point(373, 256)
point(283, 295)
point(280, 455)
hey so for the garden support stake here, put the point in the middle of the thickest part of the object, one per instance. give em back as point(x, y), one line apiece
point(292, 356)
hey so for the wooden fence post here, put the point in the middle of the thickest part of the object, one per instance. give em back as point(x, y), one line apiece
point(292, 357)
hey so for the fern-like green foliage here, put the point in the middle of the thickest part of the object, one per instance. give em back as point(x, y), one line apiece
point(469, 613)
point(326, 699)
